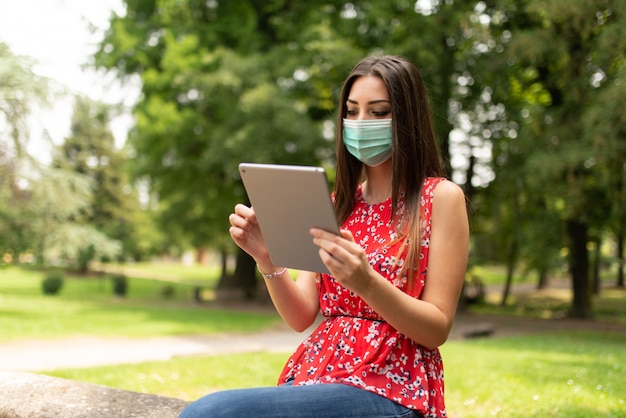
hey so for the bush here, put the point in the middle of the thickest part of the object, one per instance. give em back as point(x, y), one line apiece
point(120, 285)
point(168, 291)
point(52, 284)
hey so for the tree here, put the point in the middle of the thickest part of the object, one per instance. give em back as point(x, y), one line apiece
point(554, 50)
point(605, 123)
point(90, 150)
point(264, 89)
point(15, 231)
point(524, 81)
point(21, 90)
point(39, 203)
point(210, 100)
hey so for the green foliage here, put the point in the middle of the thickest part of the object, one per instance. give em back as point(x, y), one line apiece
point(552, 69)
point(20, 90)
point(43, 220)
point(213, 98)
point(80, 244)
point(78, 209)
point(530, 89)
point(85, 256)
point(16, 231)
point(42, 202)
point(263, 90)
point(113, 211)
point(52, 284)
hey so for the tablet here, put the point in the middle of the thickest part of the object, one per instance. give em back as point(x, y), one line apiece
point(288, 201)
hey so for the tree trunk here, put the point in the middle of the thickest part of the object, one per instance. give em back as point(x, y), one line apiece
point(202, 256)
point(245, 274)
point(510, 269)
point(597, 263)
point(242, 284)
point(579, 270)
point(620, 260)
point(542, 283)
point(223, 263)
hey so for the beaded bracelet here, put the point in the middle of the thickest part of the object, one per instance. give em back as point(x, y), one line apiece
point(270, 276)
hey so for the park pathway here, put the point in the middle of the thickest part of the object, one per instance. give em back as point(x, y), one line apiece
point(88, 351)
point(78, 352)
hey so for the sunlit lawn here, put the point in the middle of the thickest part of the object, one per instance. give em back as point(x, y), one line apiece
point(193, 273)
point(88, 306)
point(565, 375)
point(492, 274)
point(186, 377)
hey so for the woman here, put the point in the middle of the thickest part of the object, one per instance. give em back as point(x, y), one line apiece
point(397, 268)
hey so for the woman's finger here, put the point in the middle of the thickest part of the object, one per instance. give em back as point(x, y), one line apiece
point(236, 233)
point(236, 220)
point(333, 263)
point(245, 212)
point(347, 235)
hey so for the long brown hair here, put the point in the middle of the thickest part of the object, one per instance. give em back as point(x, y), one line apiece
point(414, 152)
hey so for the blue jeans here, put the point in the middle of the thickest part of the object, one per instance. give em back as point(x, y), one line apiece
point(311, 401)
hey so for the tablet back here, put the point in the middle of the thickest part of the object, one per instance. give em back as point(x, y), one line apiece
point(288, 201)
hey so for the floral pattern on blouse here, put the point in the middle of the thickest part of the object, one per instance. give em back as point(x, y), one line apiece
point(354, 345)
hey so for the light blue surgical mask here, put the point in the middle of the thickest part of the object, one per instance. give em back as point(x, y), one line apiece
point(368, 140)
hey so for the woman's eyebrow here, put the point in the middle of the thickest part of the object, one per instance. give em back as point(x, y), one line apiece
point(370, 102)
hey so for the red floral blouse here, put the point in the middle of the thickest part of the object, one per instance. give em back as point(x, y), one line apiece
point(354, 345)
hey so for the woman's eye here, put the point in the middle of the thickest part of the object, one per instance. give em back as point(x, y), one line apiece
point(380, 113)
point(352, 112)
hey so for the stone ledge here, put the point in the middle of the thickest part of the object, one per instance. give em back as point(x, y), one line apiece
point(28, 395)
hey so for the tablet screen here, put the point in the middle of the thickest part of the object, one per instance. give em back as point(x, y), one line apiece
point(288, 201)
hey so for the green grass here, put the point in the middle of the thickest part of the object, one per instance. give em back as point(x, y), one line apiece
point(88, 306)
point(187, 377)
point(566, 375)
point(171, 272)
point(571, 375)
point(493, 274)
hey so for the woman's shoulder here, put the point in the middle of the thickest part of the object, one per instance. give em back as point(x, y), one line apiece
point(446, 190)
point(442, 185)
point(449, 197)
point(445, 185)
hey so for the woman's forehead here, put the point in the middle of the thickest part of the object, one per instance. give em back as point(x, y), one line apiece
point(367, 89)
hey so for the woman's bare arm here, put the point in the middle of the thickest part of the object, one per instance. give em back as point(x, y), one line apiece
point(296, 301)
point(427, 320)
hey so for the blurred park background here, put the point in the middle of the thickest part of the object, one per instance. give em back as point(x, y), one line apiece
point(131, 238)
